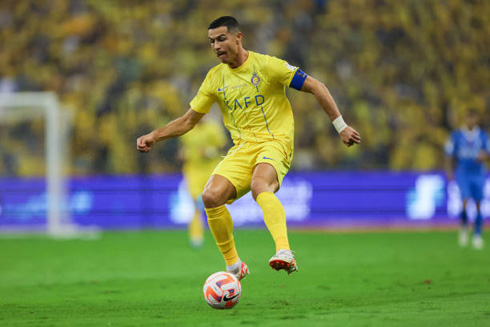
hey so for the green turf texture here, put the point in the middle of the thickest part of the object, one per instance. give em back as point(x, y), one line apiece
point(154, 278)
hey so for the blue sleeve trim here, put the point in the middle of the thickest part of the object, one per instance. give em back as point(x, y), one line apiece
point(298, 80)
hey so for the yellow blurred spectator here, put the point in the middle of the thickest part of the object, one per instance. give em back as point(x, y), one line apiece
point(201, 151)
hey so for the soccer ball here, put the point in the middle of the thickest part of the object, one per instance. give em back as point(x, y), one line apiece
point(222, 290)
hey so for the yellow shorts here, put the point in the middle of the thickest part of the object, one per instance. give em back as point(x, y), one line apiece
point(241, 159)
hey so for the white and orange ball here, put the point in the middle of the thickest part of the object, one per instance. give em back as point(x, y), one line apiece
point(222, 290)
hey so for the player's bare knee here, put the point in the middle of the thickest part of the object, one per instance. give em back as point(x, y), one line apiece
point(212, 198)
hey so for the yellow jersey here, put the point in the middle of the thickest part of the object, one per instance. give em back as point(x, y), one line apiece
point(252, 98)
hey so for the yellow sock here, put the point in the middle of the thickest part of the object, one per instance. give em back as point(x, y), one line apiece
point(196, 229)
point(221, 227)
point(274, 218)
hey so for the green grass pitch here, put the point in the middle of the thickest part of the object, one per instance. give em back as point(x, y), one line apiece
point(153, 278)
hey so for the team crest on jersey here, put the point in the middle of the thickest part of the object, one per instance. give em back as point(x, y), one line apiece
point(255, 79)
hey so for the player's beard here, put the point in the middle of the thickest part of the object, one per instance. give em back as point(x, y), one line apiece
point(228, 57)
point(223, 57)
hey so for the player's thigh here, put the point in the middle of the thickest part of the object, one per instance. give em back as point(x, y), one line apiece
point(278, 156)
point(218, 191)
point(477, 185)
point(264, 179)
point(464, 186)
point(237, 169)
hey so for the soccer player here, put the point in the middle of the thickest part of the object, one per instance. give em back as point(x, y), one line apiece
point(466, 150)
point(201, 149)
point(250, 90)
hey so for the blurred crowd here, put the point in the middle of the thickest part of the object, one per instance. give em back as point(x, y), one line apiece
point(403, 73)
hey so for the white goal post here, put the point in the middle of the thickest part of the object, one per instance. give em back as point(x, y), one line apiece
point(25, 106)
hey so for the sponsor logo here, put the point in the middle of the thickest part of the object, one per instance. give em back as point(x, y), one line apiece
point(424, 199)
point(267, 158)
point(238, 86)
point(258, 100)
point(226, 298)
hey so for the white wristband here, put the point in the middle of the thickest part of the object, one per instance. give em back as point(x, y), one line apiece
point(339, 124)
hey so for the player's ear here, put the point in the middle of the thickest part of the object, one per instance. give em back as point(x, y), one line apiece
point(238, 37)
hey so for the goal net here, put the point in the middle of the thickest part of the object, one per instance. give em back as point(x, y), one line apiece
point(27, 118)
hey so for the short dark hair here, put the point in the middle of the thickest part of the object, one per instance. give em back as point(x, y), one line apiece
point(230, 22)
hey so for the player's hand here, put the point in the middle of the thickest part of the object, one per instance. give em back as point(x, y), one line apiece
point(350, 136)
point(145, 142)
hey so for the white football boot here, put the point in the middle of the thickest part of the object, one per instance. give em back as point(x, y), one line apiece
point(239, 269)
point(463, 237)
point(478, 242)
point(284, 260)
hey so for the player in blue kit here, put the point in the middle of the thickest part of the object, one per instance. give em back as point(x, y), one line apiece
point(466, 150)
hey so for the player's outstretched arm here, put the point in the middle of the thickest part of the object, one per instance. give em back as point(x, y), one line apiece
point(175, 128)
point(348, 135)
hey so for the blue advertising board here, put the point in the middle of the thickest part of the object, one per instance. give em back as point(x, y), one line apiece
point(311, 200)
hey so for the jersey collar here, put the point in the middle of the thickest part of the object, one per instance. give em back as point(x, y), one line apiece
point(244, 65)
point(470, 135)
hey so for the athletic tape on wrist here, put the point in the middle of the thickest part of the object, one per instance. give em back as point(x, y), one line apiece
point(339, 124)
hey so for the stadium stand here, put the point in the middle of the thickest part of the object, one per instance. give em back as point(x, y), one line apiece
point(403, 72)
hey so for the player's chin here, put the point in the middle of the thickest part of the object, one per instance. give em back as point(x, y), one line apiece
point(223, 58)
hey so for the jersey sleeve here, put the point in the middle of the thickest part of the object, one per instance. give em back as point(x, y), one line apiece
point(205, 97)
point(286, 74)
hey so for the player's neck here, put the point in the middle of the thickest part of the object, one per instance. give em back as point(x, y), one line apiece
point(241, 57)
